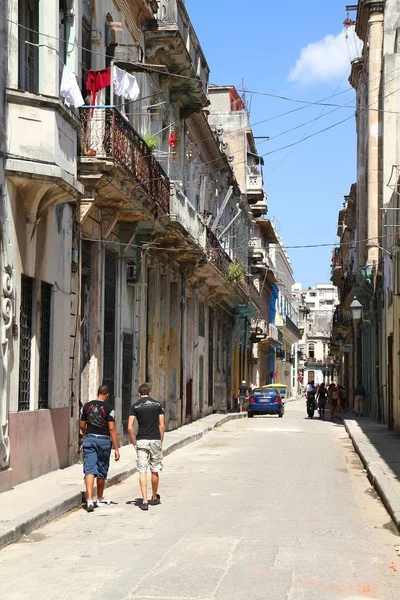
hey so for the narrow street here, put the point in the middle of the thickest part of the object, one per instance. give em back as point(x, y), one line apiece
point(259, 509)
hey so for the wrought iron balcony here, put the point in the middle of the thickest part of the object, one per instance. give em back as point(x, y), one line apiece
point(106, 135)
point(337, 267)
point(217, 254)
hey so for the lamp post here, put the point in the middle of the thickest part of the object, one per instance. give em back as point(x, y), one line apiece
point(340, 340)
point(356, 310)
point(357, 315)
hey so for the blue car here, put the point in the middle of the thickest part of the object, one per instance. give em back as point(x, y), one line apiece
point(265, 401)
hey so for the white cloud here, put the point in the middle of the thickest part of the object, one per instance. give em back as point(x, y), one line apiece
point(326, 60)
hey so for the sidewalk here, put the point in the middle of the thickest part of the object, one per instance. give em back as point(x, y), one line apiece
point(379, 450)
point(34, 503)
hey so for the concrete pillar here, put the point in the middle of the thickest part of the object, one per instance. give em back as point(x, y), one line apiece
point(375, 38)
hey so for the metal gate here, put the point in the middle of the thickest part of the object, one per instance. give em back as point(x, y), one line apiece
point(110, 287)
point(127, 370)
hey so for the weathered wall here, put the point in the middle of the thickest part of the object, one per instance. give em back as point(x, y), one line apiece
point(39, 444)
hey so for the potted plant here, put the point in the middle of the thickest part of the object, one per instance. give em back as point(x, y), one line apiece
point(235, 272)
point(151, 141)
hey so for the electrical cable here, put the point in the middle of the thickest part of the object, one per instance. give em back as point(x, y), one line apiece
point(156, 69)
point(153, 246)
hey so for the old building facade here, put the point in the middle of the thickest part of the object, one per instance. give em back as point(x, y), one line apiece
point(126, 229)
point(368, 272)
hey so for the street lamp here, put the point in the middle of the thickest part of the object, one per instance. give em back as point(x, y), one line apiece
point(356, 310)
point(340, 340)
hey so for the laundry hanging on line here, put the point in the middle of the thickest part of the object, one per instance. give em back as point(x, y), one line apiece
point(125, 84)
point(69, 88)
point(96, 81)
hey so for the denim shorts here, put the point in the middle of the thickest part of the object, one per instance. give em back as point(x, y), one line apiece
point(96, 455)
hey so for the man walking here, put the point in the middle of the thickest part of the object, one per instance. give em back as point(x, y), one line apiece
point(97, 424)
point(359, 397)
point(243, 395)
point(148, 442)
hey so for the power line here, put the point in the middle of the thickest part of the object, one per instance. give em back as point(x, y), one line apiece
point(156, 69)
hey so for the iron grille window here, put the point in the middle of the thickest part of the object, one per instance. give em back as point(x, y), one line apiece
point(110, 286)
point(28, 58)
point(44, 345)
point(25, 343)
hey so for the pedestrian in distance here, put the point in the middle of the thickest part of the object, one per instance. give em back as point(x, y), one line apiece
point(333, 395)
point(243, 395)
point(97, 424)
point(321, 398)
point(359, 398)
point(148, 440)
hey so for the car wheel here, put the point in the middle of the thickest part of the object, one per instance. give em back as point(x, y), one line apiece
point(280, 415)
point(250, 415)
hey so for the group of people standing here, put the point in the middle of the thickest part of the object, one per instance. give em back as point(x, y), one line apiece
point(336, 396)
point(97, 424)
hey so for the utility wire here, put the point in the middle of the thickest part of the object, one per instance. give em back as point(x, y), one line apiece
point(156, 69)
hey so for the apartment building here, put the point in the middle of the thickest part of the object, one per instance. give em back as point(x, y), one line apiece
point(119, 255)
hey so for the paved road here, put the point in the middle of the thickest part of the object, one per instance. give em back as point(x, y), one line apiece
point(260, 509)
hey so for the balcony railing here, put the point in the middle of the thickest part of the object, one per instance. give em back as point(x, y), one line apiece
point(182, 211)
point(274, 333)
point(106, 133)
point(217, 254)
point(293, 327)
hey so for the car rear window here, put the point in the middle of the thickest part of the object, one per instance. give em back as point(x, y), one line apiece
point(265, 392)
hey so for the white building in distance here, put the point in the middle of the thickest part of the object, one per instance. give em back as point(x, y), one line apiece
point(317, 305)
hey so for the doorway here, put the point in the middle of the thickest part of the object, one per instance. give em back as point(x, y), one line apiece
point(390, 382)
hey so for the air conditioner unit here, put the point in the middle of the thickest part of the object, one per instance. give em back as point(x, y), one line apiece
point(132, 273)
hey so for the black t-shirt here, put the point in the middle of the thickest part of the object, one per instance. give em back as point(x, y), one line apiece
point(147, 411)
point(243, 390)
point(97, 415)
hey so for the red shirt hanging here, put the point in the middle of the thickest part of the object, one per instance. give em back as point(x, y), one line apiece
point(172, 139)
point(96, 81)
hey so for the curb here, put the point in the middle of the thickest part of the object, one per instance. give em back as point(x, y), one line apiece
point(16, 529)
point(378, 476)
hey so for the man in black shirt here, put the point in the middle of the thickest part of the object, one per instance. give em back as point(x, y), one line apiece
point(148, 441)
point(97, 424)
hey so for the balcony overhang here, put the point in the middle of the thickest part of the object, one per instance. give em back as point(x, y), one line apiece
point(259, 208)
point(41, 186)
point(366, 8)
point(267, 230)
point(166, 46)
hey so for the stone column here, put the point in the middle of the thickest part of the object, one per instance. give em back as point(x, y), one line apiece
point(375, 37)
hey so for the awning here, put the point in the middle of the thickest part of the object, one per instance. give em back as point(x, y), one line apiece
point(259, 158)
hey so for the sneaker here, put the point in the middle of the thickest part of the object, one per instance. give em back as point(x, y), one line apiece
point(144, 506)
point(153, 502)
point(89, 506)
point(103, 502)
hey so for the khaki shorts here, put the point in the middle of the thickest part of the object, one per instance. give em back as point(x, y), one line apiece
point(149, 454)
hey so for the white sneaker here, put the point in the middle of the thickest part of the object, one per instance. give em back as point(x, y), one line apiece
point(103, 502)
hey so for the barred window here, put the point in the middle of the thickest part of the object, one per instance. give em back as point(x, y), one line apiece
point(25, 343)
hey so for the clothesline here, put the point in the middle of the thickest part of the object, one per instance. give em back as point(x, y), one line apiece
point(124, 84)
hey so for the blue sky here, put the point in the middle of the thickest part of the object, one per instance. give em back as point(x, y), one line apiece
point(299, 50)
